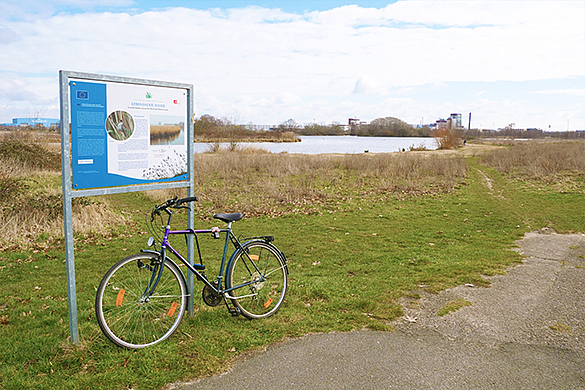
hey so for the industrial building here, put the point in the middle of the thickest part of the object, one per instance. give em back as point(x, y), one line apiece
point(47, 122)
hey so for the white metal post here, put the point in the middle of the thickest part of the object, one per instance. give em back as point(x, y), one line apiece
point(67, 212)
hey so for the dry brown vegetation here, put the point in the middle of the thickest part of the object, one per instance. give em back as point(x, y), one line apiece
point(30, 136)
point(259, 183)
point(120, 125)
point(31, 201)
point(448, 138)
point(161, 134)
point(543, 161)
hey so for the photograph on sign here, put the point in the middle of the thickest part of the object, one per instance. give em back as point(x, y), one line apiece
point(124, 134)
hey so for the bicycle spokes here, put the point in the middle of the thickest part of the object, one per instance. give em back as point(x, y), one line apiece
point(130, 319)
point(258, 278)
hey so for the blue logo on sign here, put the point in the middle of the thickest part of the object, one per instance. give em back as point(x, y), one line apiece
point(83, 95)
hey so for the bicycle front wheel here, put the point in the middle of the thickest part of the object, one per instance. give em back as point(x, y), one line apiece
point(127, 315)
point(258, 276)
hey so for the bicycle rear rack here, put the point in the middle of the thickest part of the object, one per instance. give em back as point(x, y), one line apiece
point(266, 239)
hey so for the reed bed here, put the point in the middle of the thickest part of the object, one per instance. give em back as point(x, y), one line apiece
point(120, 125)
point(163, 134)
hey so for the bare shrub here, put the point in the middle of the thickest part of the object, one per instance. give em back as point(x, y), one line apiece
point(447, 138)
point(244, 148)
point(233, 145)
point(288, 135)
point(214, 147)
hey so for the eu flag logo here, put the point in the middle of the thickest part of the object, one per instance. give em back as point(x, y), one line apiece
point(83, 95)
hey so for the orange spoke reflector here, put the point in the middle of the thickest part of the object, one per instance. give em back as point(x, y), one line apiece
point(120, 297)
point(172, 309)
point(268, 303)
point(254, 257)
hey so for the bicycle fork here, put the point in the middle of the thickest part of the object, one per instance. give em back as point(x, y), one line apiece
point(156, 269)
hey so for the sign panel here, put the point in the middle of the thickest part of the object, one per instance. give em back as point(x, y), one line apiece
point(124, 134)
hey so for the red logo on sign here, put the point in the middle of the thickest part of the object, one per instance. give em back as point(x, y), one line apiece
point(176, 101)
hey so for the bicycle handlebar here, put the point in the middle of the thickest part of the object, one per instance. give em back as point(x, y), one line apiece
point(175, 203)
point(187, 200)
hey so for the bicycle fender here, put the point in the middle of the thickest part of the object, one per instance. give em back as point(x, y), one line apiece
point(235, 253)
point(150, 251)
point(285, 260)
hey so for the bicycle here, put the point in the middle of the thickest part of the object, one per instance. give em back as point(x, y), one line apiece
point(138, 305)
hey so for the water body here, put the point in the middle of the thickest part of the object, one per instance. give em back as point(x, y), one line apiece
point(337, 144)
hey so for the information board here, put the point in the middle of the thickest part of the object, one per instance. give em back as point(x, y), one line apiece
point(124, 134)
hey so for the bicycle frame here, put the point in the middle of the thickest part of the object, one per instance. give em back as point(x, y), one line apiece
point(165, 245)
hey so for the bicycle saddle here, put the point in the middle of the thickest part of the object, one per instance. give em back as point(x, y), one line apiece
point(228, 217)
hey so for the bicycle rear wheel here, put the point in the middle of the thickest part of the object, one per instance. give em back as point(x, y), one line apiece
point(125, 316)
point(260, 270)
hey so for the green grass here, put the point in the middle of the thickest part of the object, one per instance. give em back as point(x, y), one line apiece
point(349, 263)
point(452, 307)
point(560, 328)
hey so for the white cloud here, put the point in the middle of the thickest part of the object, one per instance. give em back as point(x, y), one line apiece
point(571, 92)
point(286, 99)
point(8, 36)
point(369, 85)
point(19, 96)
point(271, 65)
point(438, 86)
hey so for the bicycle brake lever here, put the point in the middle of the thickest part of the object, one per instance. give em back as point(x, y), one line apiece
point(153, 213)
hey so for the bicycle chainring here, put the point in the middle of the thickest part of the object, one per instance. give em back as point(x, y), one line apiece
point(210, 297)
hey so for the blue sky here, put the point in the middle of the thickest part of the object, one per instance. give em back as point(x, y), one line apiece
point(293, 6)
point(265, 62)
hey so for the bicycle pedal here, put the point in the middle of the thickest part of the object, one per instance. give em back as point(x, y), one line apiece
point(234, 311)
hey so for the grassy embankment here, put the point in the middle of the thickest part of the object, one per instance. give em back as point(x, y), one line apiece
point(359, 232)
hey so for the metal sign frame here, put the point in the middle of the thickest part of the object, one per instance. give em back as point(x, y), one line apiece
point(69, 193)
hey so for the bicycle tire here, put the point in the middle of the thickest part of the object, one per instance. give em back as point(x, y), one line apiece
point(126, 320)
point(257, 259)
